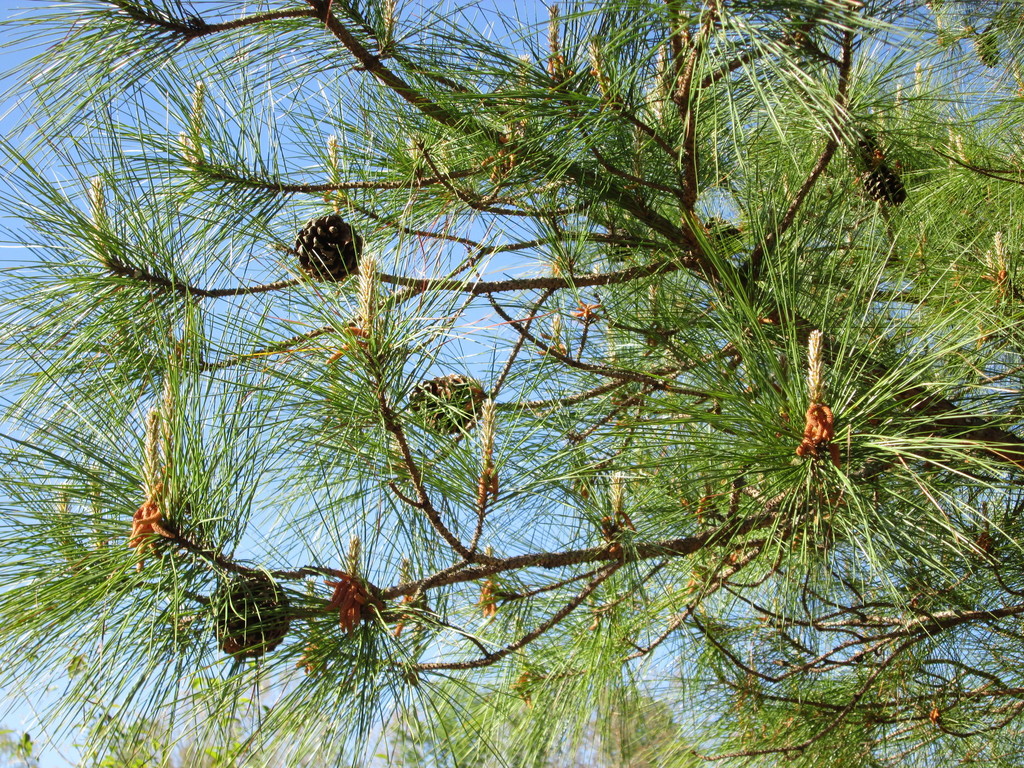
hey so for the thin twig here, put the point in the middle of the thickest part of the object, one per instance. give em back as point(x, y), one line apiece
point(530, 636)
point(373, 64)
point(518, 346)
point(831, 726)
point(602, 370)
point(580, 397)
point(281, 347)
point(831, 145)
point(423, 501)
point(998, 174)
point(607, 165)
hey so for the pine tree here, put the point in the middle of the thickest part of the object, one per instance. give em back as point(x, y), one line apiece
point(498, 378)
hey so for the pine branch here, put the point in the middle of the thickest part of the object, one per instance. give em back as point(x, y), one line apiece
point(194, 27)
point(638, 551)
point(373, 64)
point(823, 732)
point(468, 125)
point(482, 288)
point(230, 176)
point(839, 557)
point(176, 286)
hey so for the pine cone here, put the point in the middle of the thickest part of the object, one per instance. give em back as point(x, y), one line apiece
point(250, 615)
point(720, 228)
point(328, 248)
point(448, 404)
point(987, 47)
point(885, 186)
point(880, 181)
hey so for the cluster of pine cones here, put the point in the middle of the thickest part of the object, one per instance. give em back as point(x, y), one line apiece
point(251, 614)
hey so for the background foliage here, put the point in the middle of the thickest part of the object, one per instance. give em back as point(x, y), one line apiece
point(732, 469)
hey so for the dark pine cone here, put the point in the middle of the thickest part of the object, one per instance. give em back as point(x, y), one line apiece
point(987, 46)
point(884, 185)
point(720, 228)
point(448, 404)
point(250, 615)
point(328, 248)
point(881, 182)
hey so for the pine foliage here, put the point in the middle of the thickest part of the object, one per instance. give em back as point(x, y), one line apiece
point(622, 382)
